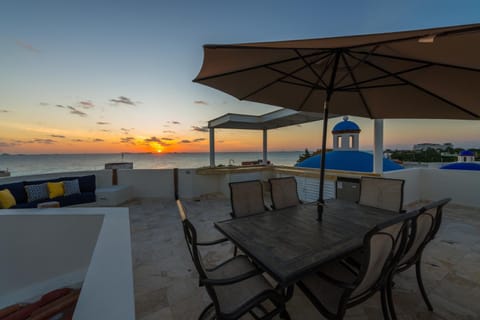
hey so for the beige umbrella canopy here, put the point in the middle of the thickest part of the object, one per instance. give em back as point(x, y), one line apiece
point(429, 74)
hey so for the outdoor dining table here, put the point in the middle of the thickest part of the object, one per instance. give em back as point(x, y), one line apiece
point(290, 243)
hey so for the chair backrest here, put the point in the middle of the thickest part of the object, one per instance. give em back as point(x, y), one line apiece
point(191, 240)
point(383, 247)
point(246, 198)
point(424, 228)
point(382, 193)
point(284, 192)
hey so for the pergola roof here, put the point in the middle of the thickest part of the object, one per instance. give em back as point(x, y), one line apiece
point(272, 120)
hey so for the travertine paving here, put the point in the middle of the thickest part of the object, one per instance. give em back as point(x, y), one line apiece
point(166, 285)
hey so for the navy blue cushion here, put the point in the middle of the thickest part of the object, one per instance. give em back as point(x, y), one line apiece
point(32, 204)
point(87, 183)
point(18, 191)
point(76, 199)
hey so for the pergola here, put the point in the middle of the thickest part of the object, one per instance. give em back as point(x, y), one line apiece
point(278, 119)
point(272, 120)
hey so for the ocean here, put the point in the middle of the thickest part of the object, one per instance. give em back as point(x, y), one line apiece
point(20, 165)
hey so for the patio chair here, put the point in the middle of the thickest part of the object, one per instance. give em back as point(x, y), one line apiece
point(284, 192)
point(236, 286)
point(423, 229)
point(336, 286)
point(246, 198)
point(382, 193)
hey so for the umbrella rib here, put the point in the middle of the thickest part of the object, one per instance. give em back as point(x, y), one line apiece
point(373, 87)
point(352, 75)
point(421, 89)
point(311, 69)
point(254, 67)
point(285, 75)
point(446, 65)
point(303, 85)
point(387, 76)
point(366, 56)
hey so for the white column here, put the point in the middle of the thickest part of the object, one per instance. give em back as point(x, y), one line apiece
point(212, 147)
point(378, 146)
point(265, 149)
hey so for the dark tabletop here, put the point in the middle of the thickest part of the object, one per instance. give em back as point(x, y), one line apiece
point(289, 243)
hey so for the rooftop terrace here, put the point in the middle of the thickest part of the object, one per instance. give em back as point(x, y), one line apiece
point(166, 285)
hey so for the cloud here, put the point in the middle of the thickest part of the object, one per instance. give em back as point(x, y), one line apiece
point(166, 139)
point(87, 104)
point(152, 139)
point(106, 130)
point(4, 144)
point(98, 140)
point(126, 131)
point(43, 141)
point(4, 110)
point(205, 103)
point(77, 112)
point(168, 131)
point(60, 106)
point(102, 123)
point(26, 46)
point(124, 100)
point(77, 140)
point(200, 129)
point(57, 136)
point(130, 140)
point(173, 122)
point(199, 139)
point(44, 103)
point(185, 141)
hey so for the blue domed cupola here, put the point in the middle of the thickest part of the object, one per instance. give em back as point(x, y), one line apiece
point(466, 156)
point(346, 135)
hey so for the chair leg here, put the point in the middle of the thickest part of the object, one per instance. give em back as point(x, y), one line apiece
point(383, 296)
point(205, 312)
point(391, 305)
point(420, 285)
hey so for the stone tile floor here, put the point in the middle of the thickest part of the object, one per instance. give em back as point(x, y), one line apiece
point(166, 285)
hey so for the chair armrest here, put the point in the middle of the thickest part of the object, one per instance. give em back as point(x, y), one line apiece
point(231, 280)
point(213, 242)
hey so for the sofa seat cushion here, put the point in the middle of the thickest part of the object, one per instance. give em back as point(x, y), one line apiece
point(78, 198)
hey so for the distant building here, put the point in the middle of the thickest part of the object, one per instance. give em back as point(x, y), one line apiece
point(345, 155)
point(465, 161)
point(436, 146)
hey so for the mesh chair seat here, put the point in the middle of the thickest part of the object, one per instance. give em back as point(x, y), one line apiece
point(246, 198)
point(328, 294)
point(232, 297)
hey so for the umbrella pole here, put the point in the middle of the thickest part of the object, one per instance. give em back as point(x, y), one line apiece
point(320, 201)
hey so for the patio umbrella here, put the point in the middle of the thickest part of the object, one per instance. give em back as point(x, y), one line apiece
point(429, 74)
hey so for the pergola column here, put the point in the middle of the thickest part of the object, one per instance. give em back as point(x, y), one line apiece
point(265, 148)
point(378, 146)
point(212, 147)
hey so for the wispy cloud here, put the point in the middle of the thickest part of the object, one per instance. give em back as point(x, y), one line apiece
point(106, 130)
point(57, 136)
point(76, 112)
point(166, 139)
point(199, 139)
point(200, 129)
point(173, 122)
point(87, 104)
point(102, 123)
point(4, 110)
point(185, 141)
point(156, 140)
point(26, 46)
point(60, 106)
point(126, 131)
point(123, 100)
point(4, 144)
point(43, 141)
point(98, 140)
point(201, 102)
point(130, 140)
point(77, 140)
point(168, 131)
point(44, 104)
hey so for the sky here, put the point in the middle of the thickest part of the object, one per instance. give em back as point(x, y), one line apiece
point(116, 76)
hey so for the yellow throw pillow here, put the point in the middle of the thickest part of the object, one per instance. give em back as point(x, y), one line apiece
point(55, 189)
point(7, 200)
